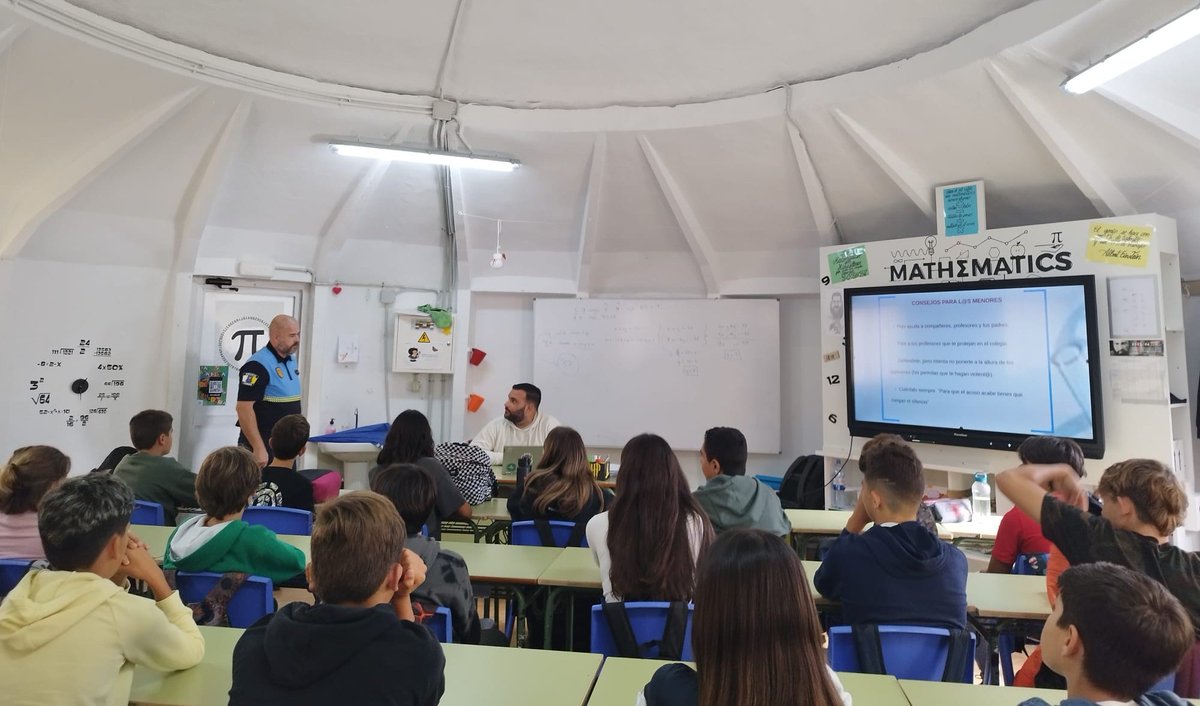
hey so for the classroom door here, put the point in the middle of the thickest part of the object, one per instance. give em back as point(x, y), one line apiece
point(233, 326)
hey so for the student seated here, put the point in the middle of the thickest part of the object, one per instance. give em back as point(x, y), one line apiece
point(647, 545)
point(447, 583)
point(219, 540)
point(153, 475)
point(730, 498)
point(1143, 504)
point(1018, 533)
point(72, 633)
point(281, 485)
point(767, 653)
point(1114, 633)
point(410, 440)
point(359, 644)
point(30, 473)
point(562, 487)
point(898, 572)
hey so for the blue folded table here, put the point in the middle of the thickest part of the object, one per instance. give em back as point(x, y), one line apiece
point(373, 434)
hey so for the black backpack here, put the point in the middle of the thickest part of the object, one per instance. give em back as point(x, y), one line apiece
point(803, 486)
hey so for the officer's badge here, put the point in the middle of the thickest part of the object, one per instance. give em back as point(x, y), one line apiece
point(279, 372)
point(249, 379)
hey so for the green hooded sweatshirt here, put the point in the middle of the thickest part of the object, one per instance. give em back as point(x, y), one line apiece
point(741, 501)
point(232, 546)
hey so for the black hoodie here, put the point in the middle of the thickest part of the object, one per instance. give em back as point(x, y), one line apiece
point(328, 654)
point(896, 575)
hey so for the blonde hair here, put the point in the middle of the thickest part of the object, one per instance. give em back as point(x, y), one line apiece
point(29, 474)
point(1156, 494)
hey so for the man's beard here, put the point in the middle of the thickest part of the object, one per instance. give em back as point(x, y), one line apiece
point(515, 417)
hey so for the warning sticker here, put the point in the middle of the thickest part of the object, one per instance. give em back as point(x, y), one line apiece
point(424, 338)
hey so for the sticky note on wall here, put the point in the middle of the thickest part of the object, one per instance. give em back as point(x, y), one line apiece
point(848, 264)
point(1117, 244)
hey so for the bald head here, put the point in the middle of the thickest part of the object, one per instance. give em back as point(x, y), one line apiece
point(284, 334)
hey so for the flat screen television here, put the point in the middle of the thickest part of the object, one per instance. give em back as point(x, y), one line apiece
point(982, 364)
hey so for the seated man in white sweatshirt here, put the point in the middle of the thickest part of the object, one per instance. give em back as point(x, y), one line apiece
point(523, 424)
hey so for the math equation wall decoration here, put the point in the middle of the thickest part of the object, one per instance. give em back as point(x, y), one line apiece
point(74, 384)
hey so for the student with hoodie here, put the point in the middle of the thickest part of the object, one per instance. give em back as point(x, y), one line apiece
point(360, 644)
point(898, 572)
point(413, 492)
point(1114, 634)
point(219, 540)
point(153, 475)
point(72, 633)
point(729, 498)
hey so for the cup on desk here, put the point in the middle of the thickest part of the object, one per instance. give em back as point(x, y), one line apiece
point(474, 402)
point(599, 468)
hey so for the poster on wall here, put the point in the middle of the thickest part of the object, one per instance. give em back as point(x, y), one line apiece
point(420, 346)
point(212, 384)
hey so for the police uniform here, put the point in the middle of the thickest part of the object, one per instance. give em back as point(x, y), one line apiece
point(272, 383)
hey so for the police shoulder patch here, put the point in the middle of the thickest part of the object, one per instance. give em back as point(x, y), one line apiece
point(249, 379)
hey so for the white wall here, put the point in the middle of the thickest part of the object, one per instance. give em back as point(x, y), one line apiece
point(502, 325)
point(51, 305)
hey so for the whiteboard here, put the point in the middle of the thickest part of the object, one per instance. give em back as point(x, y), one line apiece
point(613, 369)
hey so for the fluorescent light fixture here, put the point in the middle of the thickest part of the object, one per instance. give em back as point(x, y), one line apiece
point(1170, 35)
point(421, 155)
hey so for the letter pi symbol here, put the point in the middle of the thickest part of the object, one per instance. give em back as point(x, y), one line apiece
point(240, 337)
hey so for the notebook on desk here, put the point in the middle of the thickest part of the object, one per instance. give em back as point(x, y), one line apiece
point(508, 466)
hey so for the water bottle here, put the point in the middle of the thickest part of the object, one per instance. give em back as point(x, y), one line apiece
point(981, 497)
point(524, 466)
point(839, 491)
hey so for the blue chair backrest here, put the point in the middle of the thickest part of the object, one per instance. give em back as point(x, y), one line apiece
point(251, 602)
point(648, 620)
point(439, 623)
point(280, 520)
point(11, 573)
point(909, 652)
point(147, 513)
point(525, 533)
point(1031, 564)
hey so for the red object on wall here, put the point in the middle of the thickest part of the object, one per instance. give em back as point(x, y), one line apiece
point(477, 356)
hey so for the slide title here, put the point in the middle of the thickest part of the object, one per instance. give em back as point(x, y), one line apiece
point(1014, 265)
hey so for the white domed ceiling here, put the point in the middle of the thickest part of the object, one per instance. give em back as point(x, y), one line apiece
point(657, 156)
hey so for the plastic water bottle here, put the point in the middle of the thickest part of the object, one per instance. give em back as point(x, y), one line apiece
point(981, 497)
point(839, 491)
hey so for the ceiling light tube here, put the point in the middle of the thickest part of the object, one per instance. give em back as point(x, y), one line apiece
point(421, 155)
point(1170, 35)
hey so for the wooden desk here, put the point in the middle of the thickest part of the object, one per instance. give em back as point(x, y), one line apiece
point(622, 678)
point(574, 567)
point(504, 564)
point(501, 676)
point(206, 683)
point(984, 529)
point(1007, 596)
point(474, 675)
point(932, 693)
point(157, 537)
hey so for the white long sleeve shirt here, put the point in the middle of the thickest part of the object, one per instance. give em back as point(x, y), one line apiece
point(500, 433)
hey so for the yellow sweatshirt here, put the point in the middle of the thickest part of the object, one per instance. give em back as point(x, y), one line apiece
point(73, 637)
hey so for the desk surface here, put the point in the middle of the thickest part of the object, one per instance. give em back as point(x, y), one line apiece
point(474, 675)
point(621, 679)
point(494, 509)
point(1007, 596)
point(984, 528)
point(932, 693)
point(206, 683)
point(502, 676)
point(574, 567)
point(832, 522)
point(501, 563)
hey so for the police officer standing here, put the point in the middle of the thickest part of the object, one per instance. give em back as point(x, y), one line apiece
point(269, 387)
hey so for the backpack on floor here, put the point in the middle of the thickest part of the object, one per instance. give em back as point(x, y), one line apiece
point(470, 467)
point(803, 486)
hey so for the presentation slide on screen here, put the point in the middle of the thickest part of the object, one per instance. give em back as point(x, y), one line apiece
point(1004, 360)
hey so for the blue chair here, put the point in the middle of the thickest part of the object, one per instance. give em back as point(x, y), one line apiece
point(280, 520)
point(648, 619)
point(525, 533)
point(252, 601)
point(440, 625)
point(1007, 643)
point(11, 573)
point(909, 652)
point(148, 513)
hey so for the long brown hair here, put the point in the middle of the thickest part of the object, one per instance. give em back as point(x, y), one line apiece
point(755, 634)
point(562, 477)
point(649, 525)
point(29, 474)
